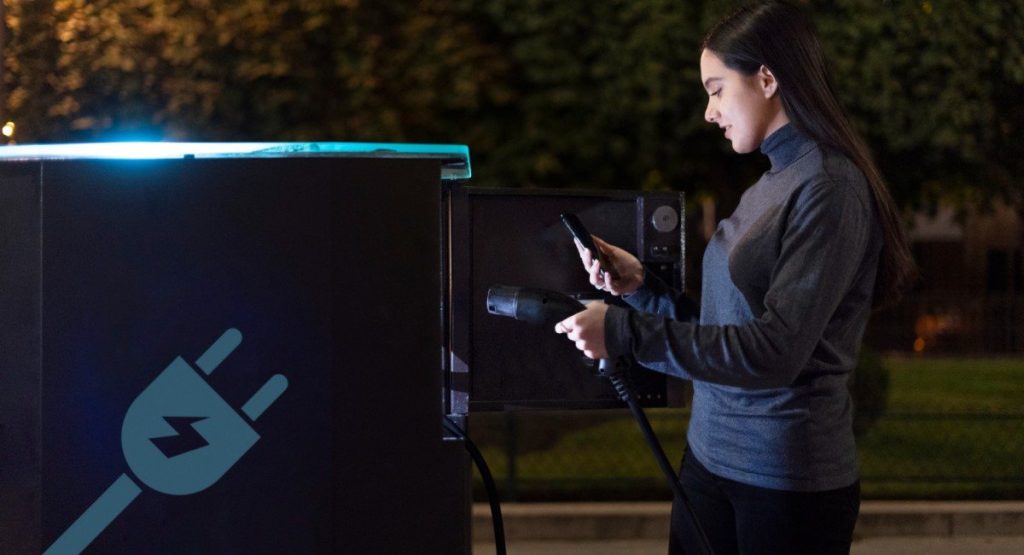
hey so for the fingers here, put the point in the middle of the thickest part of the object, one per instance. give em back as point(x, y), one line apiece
point(597, 277)
point(607, 249)
point(585, 255)
point(586, 331)
point(591, 265)
point(630, 270)
point(571, 331)
point(565, 326)
point(569, 328)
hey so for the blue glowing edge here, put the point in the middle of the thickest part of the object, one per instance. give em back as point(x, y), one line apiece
point(454, 158)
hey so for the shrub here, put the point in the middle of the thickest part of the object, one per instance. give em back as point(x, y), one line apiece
point(869, 388)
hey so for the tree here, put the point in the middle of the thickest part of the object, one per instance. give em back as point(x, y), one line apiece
point(933, 87)
point(566, 93)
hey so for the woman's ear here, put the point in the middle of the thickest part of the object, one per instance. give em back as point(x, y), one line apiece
point(769, 86)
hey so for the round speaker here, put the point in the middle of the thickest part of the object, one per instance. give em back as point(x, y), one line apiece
point(665, 219)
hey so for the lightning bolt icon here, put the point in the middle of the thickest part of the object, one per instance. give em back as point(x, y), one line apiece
point(186, 439)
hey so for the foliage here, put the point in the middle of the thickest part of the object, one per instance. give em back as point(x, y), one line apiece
point(547, 93)
point(933, 87)
point(869, 388)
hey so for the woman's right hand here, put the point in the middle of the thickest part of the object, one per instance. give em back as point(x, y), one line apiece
point(631, 271)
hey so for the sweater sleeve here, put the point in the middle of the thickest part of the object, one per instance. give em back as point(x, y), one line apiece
point(826, 238)
point(657, 297)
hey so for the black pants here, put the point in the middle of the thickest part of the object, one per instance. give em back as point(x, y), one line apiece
point(738, 518)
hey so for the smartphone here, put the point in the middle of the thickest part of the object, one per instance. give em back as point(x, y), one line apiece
point(579, 231)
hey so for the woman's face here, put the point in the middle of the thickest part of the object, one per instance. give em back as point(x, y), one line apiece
point(745, 106)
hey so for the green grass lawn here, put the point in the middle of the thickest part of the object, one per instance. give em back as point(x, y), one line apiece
point(954, 428)
point(956, 385)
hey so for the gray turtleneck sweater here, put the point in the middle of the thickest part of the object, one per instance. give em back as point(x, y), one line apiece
point(787, 287)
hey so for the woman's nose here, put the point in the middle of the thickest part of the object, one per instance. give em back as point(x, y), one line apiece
point(710, 114)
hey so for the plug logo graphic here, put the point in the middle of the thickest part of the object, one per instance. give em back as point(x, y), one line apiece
point(185, 439)
point(179, 437)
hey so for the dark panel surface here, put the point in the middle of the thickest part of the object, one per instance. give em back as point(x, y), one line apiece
point(19, 358)
point(329, 269)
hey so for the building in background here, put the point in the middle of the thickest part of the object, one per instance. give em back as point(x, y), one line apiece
point(970, 295)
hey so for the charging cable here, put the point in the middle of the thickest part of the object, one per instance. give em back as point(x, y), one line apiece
point(617, 373)
point(485, 473)
point(543, 307)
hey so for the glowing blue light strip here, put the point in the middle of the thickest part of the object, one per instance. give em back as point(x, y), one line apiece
point(454, 158)
point(128, 150)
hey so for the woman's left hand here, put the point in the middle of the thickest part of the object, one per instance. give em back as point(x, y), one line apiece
point(586, 329)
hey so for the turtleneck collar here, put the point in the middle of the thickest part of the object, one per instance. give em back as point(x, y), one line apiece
point(784, 146)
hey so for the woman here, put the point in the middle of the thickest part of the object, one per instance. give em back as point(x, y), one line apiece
point(789, 281)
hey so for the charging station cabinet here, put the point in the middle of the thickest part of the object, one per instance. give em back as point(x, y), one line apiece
point(324, 258)
point(249, 348)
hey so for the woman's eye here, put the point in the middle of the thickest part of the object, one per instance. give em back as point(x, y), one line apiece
point(717, 93)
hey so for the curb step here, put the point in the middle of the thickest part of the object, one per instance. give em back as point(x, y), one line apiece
point(601, 521)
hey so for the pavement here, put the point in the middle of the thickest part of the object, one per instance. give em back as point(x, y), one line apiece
point(870, 546)
point(884, 527)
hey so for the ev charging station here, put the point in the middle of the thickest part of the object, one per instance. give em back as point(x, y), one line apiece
point(250, 347)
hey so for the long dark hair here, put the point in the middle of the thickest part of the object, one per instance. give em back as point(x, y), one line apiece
point(778, 36)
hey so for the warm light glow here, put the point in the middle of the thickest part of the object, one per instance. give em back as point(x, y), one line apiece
point(8, 129)
point(918, 345)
